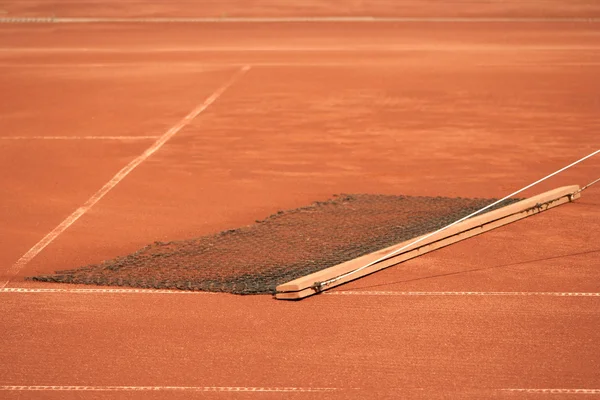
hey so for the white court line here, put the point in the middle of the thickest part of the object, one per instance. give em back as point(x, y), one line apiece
point(103, 291)
point(444, 47)
point(49, 238)
point(78, 137)
point(340, 293)
point(322, 64)
point(244, 389)
point(164, 389)
point(328, 19)
point(555, 391)
point(198, 66)
point(391, 293)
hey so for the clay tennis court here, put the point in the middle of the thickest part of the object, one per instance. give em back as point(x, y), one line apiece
point(116, 133)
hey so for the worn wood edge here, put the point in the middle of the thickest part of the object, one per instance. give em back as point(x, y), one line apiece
point(303, 287)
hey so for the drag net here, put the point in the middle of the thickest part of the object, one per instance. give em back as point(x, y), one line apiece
point(287, 245)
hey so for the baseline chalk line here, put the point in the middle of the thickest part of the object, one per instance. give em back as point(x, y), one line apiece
point(297, 49)
point(392, 293)
point(554, 391)
point(334, 64)
point(340, 293)
point(103, 291)
point(122, 138)
point(164, 389)
point(244, 389)
point(299, 19)
point(64, 225)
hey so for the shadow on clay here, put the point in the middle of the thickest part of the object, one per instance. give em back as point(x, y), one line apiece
point(479, 269)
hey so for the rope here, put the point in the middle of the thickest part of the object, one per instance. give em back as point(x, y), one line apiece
point(585, 187)
point(320, 285)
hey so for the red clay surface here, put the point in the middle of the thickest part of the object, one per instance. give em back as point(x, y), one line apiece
point(473, 110)
point(283, 8)
point(37, 185)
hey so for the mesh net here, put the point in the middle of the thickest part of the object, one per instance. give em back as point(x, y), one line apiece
point(287, 245)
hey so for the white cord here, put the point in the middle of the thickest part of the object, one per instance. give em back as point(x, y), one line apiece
point(586, 186)
point(320, 285)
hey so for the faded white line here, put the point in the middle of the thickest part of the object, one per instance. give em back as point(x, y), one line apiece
point(165, 389)
point(102, 291)
point(49, 238)
point(78, 137)
point(555, 391)
point(449, 48)
point(195, 66)
point(258, 389)
point(325, 19)
point(339, 293)
point(391, 293)
point(336, 64)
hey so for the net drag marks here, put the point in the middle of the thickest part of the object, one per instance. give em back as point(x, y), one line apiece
point(64, 225)
point(163, 389)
